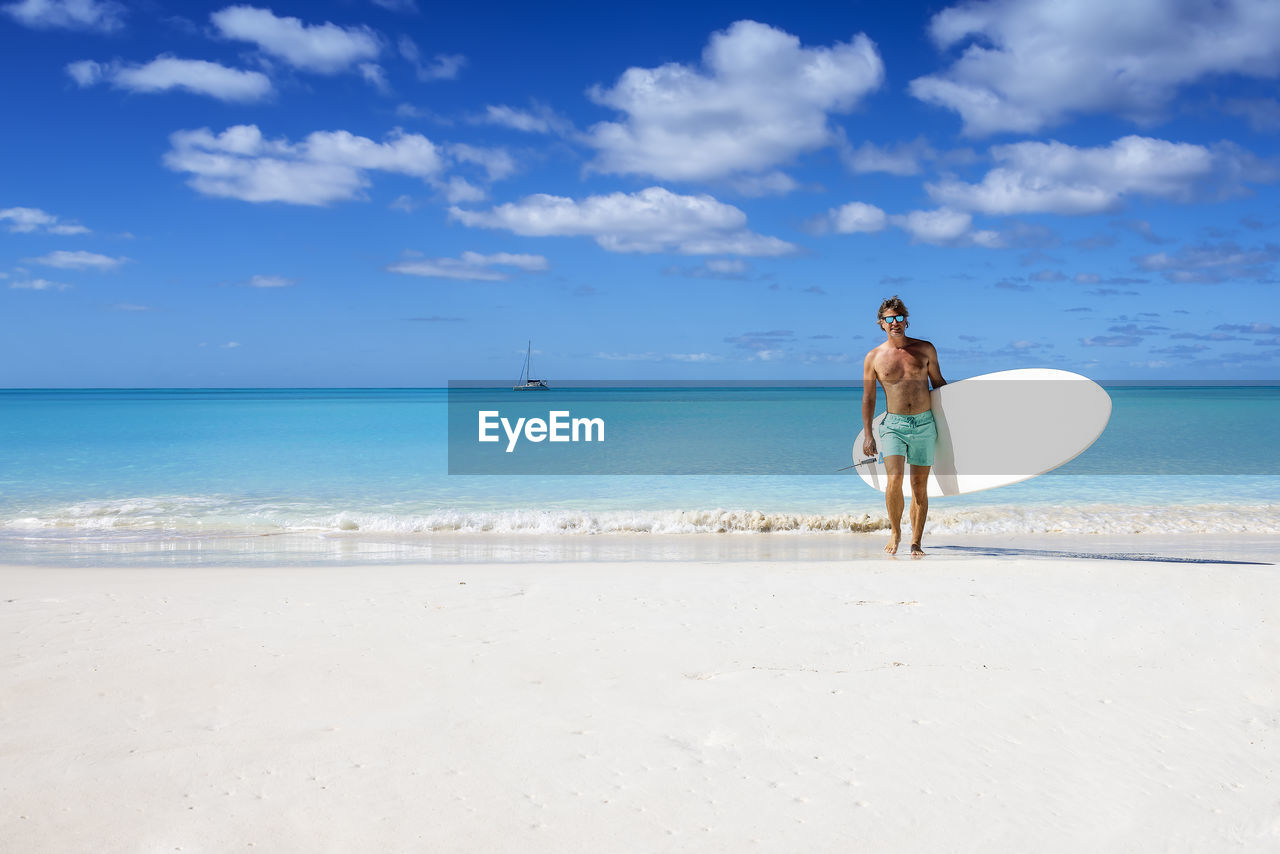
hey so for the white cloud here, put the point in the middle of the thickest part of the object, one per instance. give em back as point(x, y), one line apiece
point(260, 281)
point(1254, 328)
point(528, 263)
point(517, 119)
point(100, 15)
point(86, 72)
point(167, 72)
point(651, 220)
point(496, 162)
point(768, 184)
point(659, 357)
point(409, 111)
point(1211, 263)
point(64, 260)
point(459, 190)
point(1048, 276)
point(903, 158)
point(327, 166)
point(737, 243)
point(988, 239)
point(727, 269)
point(728, 266)
point(322, 48)
point(445, 66)
point(900, 159)
point(472, 266)
point(857, 216)
point(39, 285)
point(1052, 177)
point(1028, 64)
point(29, 220)
point(374, 75)
point(759, 99)
point(1111, 341)
point(1263, 114)
point(766, 345)
point(942, 226)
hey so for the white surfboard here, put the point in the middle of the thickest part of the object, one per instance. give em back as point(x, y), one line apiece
point(1002, 428)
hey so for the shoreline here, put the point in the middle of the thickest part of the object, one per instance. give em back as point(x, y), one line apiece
point(360, 548)
point(960, 704)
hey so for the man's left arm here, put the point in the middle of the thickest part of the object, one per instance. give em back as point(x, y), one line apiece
point(935, 372)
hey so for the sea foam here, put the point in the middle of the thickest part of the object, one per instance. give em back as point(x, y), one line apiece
point(213, 516)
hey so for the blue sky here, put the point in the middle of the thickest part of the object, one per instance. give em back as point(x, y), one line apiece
point(398, 193)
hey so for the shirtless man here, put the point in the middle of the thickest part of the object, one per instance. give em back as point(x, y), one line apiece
point(904, 367)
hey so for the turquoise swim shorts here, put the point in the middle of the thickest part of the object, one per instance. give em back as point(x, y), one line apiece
point(910, 436)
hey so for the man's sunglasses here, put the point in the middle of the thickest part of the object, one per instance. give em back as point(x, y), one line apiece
point(890, 318)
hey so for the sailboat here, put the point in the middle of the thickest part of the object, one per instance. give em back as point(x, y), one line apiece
point(526, 381)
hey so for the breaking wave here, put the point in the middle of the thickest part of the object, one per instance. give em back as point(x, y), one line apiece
point(181, 516)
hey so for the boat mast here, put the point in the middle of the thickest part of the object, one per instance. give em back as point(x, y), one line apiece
point(526, 380)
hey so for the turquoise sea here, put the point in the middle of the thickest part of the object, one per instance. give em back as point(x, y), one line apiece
point(87, 472)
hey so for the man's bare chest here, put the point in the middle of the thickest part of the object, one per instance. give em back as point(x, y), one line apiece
point(904, 364)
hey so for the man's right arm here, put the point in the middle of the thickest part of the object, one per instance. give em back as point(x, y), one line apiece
point(869, 403)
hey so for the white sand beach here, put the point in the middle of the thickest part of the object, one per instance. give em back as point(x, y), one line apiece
point(962, 703)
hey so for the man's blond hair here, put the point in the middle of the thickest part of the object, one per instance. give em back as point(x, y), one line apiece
point(892, 304)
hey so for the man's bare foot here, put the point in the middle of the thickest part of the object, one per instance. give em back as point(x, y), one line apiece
point(892, 546)
point(916, 551)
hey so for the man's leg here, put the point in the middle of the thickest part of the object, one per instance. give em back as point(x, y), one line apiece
point(919, 505)
point(894, 468)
